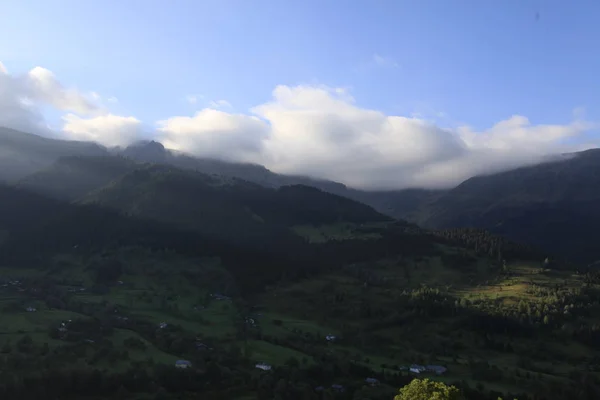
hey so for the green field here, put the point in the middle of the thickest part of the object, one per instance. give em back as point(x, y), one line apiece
point(385, 316)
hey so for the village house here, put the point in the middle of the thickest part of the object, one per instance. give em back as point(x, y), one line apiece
point(417, 369)
point(162, 325)
point(330, 338)
point(372, 381)
point(263, 366)
point(202, 346)
point(437, 369)
point(183, 364)
point(31, 309)
point(338, 388)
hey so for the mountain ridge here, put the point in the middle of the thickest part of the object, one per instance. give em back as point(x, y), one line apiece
point(535, 204)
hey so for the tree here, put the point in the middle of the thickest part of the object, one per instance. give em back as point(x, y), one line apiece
point(425, 389)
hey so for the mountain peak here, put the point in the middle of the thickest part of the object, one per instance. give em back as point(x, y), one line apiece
point(147, 151)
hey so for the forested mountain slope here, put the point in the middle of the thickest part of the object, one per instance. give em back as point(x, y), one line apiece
point(162, 264)
point(22, 153)
point(551, 205)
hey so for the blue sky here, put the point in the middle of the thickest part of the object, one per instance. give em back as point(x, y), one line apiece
point(477, 61)
point(473, 62)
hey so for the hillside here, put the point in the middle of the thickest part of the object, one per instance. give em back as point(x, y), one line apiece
point(225, 207)
point(120, 266)
point(70, 178)
point(404, 296)
point(155, 152)
point(22, 153)
point(550, 205)
point(147, 250)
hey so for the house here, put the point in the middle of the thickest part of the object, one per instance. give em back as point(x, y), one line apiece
point(162, 325)
point(319, 388)
point(220, 296)
point(263, 366)
point(338, 388)
point(330, 338)
point(183, 364)
point(417, 369)
point(437, 369)
point(372, 381)
point(202, 346)
point(31, 309)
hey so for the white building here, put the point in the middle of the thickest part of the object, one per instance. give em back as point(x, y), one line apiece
point(183, 364)
point(263, 366)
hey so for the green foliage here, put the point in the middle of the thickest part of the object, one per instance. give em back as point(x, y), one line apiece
point(425, 389)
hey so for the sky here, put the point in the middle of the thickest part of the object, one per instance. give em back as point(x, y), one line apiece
point(374, 94)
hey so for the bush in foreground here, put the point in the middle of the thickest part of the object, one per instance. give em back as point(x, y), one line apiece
point(425, 389)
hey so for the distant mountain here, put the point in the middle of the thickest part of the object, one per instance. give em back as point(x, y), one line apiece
point(72, 177)
point(550, 205)
point(553, 205)
point(155, 152)
point(22, 153)
point(247, 226)
point(214, 204)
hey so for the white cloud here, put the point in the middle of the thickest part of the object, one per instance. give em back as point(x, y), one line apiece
point(41, 85)
point(109, 130)
point(214, 133)
point(193, 98)
point(310, 130)
point(321, 132)
point(112, 99)
point(219, 104)
point(22, 96)
point(385, 62)
point(17, 111)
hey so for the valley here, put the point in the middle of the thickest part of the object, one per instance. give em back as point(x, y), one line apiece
point(154, 281)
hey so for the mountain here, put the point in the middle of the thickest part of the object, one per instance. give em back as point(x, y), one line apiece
point(154, 152)
point(553, 205)
point(22, 153)
point(123, 267)
point(137, 275)
point(226, 206)
point(550, 205)
point(72, 177)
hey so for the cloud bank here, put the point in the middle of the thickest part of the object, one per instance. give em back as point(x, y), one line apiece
point(310, 130)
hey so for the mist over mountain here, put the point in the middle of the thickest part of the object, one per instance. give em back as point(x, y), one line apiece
point(23, 153)
point(550, 205)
